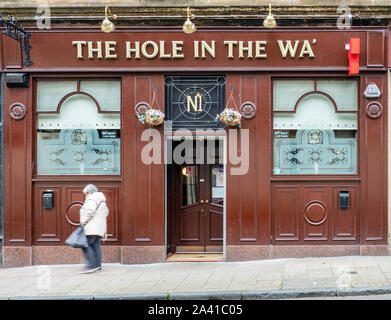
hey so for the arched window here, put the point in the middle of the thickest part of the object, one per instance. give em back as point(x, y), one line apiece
point(78, 127)
point(315, 126)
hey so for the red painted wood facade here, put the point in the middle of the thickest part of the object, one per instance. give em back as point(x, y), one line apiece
point(265, 215)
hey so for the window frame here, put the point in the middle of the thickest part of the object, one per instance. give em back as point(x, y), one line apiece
point(72, 177)
point(312, 176)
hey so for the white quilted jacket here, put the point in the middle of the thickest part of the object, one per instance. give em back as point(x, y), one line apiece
point(93, 214)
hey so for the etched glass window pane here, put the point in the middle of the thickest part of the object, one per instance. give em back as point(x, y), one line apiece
point(287, 92)
point(107, 93)
point(79, 111)
point(315, 139)
point(315, 111)
point(344, 93)
point(50, 93)
point(78, 140)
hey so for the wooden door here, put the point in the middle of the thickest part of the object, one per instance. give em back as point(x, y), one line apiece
point(214, 207)
point(197, 198)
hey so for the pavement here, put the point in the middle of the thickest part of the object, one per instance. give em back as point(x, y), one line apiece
point(253, 280)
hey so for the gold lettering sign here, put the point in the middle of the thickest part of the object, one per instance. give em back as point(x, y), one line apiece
point(163, 49)
point(196, 104)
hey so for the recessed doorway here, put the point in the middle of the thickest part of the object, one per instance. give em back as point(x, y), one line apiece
point(195, 191)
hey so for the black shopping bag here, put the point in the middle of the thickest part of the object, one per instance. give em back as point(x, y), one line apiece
point(78, 238)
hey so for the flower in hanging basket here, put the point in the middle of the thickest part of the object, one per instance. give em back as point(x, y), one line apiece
point(152, 117)
point(230, 117)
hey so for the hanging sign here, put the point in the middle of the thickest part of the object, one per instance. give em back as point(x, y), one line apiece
point(372, 91)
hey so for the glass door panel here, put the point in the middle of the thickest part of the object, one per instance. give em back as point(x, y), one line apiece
point(189, 181)
point(217, 184)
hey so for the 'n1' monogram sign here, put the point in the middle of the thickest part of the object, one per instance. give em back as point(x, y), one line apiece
point(196, 103)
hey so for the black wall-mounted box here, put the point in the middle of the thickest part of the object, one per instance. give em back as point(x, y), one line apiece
point(17, 80)
point(47, 199)
point(344, 199)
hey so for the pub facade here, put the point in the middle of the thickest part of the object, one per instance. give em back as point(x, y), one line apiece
point(303, 174)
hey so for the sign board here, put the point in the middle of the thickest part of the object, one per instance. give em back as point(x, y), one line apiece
point(372, 91)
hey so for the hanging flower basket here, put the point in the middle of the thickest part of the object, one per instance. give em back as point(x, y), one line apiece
point(152, 117)
point(230, 117)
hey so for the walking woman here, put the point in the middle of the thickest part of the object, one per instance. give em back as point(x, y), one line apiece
point(93, 215)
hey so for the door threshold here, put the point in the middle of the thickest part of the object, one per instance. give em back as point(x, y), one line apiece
point(195, 257)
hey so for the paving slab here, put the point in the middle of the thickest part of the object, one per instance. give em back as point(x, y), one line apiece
point(262, 279)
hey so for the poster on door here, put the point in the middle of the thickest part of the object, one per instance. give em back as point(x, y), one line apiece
point(220, 179)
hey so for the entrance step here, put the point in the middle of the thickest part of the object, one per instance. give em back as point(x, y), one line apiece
point(194, 257)
point(199, 249)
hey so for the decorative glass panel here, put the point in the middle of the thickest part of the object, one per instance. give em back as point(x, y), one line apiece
point(78, 140)
point(314, 151)
point(107, 93)
point(287, 92)
point(79, 111)
point(344, 93)
point(50, 93)
point(189, 185)
point(315, 111)
point(194, 101)
point(315, 139)
point(78, 151)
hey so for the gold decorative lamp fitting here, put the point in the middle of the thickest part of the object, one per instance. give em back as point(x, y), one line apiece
point(188, 26)
point(269, 21)
point(107, 26)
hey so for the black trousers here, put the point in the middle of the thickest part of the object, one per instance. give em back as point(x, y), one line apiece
point(93, 252)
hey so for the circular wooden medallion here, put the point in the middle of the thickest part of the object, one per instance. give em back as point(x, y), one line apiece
point(72, 214)
point(140, 108)
point(374, 110)
point(315, 213)
point(17, 111)
point(248, 110)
